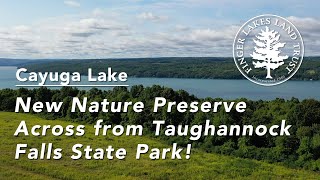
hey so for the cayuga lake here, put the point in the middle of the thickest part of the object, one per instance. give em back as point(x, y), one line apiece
point(215, 88)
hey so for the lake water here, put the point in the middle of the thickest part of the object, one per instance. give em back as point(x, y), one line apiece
point(227, 89)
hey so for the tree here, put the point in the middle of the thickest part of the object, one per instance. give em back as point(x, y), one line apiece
point(266, 51)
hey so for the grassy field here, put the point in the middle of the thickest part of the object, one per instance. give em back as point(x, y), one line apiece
point(200, 166)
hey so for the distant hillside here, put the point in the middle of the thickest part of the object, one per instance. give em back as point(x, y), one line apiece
point(174, 67)
point(23, 62)
point(13, 62)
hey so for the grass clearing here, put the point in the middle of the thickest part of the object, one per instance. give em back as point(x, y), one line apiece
point(200, 166)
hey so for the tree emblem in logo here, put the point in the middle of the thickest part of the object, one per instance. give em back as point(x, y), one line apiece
point(266, 51)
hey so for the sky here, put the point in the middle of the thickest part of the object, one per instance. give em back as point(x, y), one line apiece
point(38, 29)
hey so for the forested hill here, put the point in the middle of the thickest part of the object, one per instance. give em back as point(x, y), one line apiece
point(24, 62)
point(299, 150)
point(178, 67)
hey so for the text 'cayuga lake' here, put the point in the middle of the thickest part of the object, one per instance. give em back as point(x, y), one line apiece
point(215, 88)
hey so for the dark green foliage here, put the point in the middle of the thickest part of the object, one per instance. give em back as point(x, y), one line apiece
point(301, 149)
point(179, 67)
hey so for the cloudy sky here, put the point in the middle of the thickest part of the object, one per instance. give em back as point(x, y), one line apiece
point(140, 28)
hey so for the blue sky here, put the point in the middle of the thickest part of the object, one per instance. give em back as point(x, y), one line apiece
point(137, 28)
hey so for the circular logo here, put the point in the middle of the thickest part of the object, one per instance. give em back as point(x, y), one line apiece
point(268, 50)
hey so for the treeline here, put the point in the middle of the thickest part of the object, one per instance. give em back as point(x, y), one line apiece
point(301, 149)
point(179, 67)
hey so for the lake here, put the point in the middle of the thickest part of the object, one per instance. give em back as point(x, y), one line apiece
point(227, 89)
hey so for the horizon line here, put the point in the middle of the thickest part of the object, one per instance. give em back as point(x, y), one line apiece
point(115, 58)
point(73, 85)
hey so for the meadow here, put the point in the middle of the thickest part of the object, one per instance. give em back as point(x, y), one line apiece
point(201, 165)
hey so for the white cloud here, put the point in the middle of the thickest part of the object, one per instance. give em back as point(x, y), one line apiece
point(181, 28)
point(310, 25)
point(226, 33)
point(98, 12)
point(91, 26)
point(309, 29)
point(65, 38)
point(72, 3)
point(150, 16)
point(105, 35)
